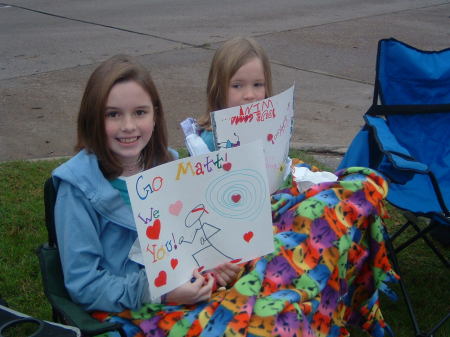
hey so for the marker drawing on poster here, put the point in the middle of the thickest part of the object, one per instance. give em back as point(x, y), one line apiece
point(200, 212)
point(269, 120)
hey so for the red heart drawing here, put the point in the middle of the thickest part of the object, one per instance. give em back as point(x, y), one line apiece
point(153, 231)
point(175, 208)
point(226, 166)
point(248, 236)
point(161, 279)
point(174, 263)
point(236, 198)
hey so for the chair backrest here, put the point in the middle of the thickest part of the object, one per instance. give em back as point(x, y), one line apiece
point(412, 103)
point(419, 80)
point(412, 87)
point(51, 269)
point(49, 261)
point(409, 76)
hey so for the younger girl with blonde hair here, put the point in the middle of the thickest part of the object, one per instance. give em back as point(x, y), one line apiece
point(239, 74)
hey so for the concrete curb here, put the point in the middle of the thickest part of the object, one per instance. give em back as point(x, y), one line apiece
point(305, 147)
point(319, 148)
point(36, 159)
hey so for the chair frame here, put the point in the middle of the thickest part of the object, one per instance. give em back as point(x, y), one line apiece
point(70, 313)
point(411, 220)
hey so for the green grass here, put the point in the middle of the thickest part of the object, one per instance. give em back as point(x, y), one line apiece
point(22, 230)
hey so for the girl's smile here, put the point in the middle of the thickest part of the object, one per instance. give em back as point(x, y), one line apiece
point(129, 123)
point(128, 140)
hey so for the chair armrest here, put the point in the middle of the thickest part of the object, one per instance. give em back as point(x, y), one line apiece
point(76, 316)
point(395, 152)
point(56, 293)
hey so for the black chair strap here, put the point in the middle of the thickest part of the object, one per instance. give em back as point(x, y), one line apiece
point(49, 201)
point(406, 109)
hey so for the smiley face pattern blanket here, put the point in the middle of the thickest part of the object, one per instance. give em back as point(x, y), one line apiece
point(326, 273)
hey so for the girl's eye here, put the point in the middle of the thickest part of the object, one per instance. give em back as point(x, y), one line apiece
point(236, 86)
point(259, 84)
point(111, 114)
point(140, 112)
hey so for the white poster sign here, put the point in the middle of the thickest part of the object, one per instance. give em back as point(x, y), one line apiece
point(200, 212)
point(269, 120)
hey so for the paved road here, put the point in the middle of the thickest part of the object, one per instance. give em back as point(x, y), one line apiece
point(327, 47)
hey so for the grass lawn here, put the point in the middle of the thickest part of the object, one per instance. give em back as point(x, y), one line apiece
point(22, 230)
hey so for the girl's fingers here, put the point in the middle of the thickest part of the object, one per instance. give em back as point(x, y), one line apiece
point(226, 273)
point(221, 275)
point(206, 290)
point(231, 270)
point(197, 279)
point(196, 273)
point(209, 280)
point(220, 279)
point(235, 267)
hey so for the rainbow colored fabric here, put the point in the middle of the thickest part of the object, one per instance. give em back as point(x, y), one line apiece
point(326, 273)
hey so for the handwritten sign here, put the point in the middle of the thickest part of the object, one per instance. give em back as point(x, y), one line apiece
point(269, 120)
point(200, 212)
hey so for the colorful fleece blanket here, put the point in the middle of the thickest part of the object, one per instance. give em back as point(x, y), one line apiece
point(326, 273)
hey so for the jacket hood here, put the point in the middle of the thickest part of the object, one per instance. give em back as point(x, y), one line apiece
point(83, 172)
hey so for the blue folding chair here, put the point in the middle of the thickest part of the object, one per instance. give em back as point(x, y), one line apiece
point(406, 138)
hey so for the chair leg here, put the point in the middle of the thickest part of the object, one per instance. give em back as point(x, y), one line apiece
point(411, 221)
point(412, 314)
point(400, 231)
point(438, 325)
point(393, 256)
point(422, 233)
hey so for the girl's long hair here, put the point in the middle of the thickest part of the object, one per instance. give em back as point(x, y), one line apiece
point(91, 134)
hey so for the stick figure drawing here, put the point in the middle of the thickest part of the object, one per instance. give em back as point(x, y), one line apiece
point(202, 234)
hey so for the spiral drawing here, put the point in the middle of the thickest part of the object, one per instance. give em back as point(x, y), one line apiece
point(238, 194)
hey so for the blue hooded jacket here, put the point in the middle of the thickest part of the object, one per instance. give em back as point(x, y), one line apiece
point(95, 231)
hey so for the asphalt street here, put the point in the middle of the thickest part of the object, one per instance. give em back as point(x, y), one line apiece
point(326, 47)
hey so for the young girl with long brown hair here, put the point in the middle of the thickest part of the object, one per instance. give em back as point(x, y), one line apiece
point(121, 132)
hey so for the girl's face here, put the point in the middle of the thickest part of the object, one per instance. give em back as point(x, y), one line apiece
point(129, 121)
point(248, 84)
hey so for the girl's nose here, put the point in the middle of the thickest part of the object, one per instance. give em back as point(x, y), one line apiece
point(249, 94)
point(128, 123)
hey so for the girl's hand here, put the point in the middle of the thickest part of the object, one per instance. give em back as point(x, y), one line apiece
point(226, 273)
point(192, 292)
